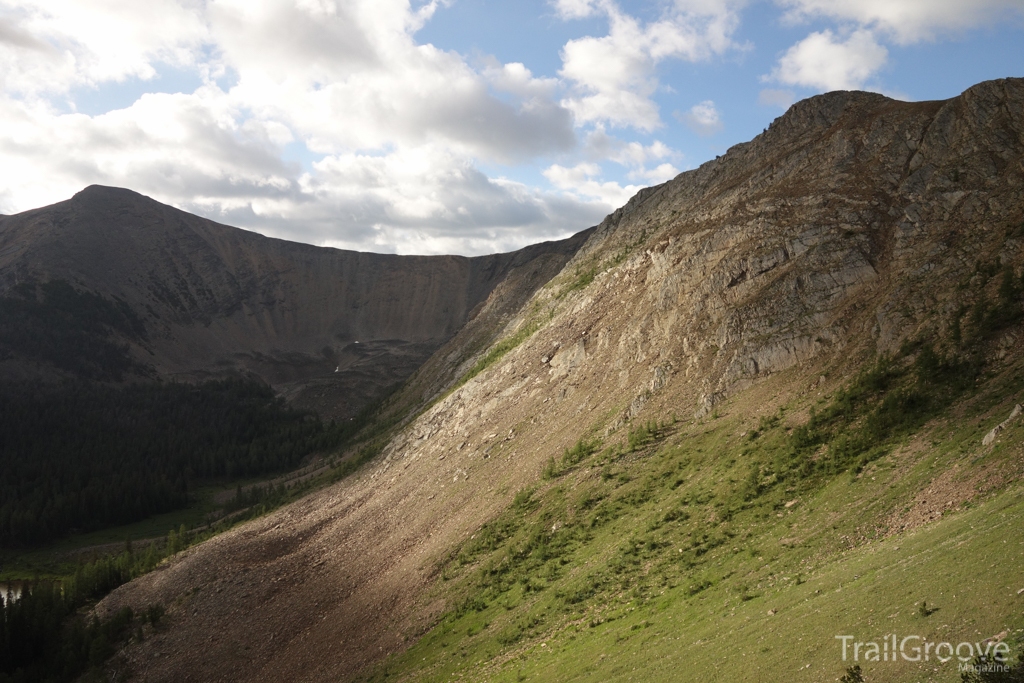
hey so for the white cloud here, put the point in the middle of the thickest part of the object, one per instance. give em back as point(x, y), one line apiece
point(180, 147)
point(422, 201)
point(392, 133)
point(776, 98)
point(636, 154)
point(357, 80)
point(53, 45)
point(908, 21)
point(656, 175)
point(578, 9)
point(633, 156)
point(516, 79)
point(703, 118)
point(824, 62)
point(614, 74)
point(580, 181)
point(191, 151)
point(399, 127)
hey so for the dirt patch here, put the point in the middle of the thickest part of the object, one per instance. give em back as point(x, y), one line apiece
point(954, 488)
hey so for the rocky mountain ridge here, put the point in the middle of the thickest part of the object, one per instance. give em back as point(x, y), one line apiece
point(852, 227)
point(331, 329)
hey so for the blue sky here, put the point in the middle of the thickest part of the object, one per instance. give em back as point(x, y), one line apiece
point(466, 126)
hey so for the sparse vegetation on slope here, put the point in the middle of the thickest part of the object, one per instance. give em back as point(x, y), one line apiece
point(499, 349)
point(651, 545)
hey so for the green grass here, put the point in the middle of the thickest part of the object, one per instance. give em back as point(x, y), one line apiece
point(570, 458)
point(582, 278)
point(868, 593)
point(498, 351)
point(714, 551)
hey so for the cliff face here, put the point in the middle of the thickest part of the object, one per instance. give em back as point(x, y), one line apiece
point(329, 328)
point(853, 224)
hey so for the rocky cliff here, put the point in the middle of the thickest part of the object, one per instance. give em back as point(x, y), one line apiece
point(331, 329)
point(852, 227)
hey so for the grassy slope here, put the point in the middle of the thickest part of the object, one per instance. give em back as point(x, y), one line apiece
point(662, 561)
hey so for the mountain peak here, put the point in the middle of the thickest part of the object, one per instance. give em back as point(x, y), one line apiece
point(107, 193)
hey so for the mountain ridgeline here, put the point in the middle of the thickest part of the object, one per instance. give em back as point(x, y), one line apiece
point(112, 284)
point(765, 403)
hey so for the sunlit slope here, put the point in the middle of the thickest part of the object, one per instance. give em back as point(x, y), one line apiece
point(721, 551)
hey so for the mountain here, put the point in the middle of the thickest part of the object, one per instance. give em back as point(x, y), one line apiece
point(747, 417)
point(192, 299)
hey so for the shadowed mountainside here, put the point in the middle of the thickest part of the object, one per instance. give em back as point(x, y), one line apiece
point(194, 299)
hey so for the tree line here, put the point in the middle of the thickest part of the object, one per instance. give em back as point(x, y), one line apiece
point(84, 455)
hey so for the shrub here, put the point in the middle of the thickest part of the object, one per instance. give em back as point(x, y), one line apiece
point(644, 434)
point(570, 456)
point(853, 675)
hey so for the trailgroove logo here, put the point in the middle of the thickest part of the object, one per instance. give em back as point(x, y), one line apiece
point(891, 648)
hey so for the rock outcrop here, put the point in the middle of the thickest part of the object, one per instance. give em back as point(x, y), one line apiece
point(994, 432)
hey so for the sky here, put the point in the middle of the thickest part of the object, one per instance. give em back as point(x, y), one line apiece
point(447, 126)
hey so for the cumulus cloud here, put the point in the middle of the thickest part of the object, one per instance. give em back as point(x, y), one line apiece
point(653, 163)
point(824, 61)
point(614, 75)
point(908, 21)
point(173, 146)
point(637, 155)
point(656, 175)
point(328, 121)
point(516, 79)
point(703, 118)
point(581, 181)
point(381, 88)
point(52, 45)
point(577, 9)
point(396, 130)
point(417, 201)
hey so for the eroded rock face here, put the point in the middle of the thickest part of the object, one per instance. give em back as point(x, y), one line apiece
point(849, 203)
point(844, 229)
point(329, 328)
